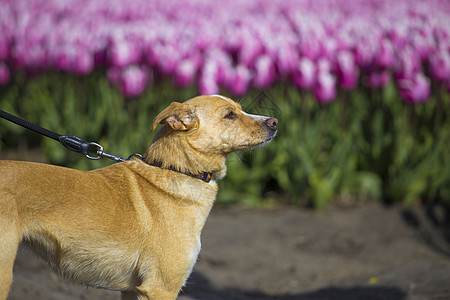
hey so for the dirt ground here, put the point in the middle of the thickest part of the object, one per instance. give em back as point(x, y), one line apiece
point(368, 251)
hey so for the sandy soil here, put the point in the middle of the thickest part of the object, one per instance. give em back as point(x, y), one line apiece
point(367, 252)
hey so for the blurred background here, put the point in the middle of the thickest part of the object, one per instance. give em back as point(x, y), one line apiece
point(360, 88)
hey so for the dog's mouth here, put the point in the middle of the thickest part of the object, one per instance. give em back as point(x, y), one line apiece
point(261, 144)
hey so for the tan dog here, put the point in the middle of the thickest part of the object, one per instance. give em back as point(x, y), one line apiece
point(133, 226)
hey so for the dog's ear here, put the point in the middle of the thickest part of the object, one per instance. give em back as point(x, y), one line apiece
point(177, 115)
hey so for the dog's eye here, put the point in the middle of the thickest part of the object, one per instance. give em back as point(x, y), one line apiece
point(230, 115)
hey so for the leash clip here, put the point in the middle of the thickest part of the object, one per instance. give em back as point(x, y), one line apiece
point(99, 151)
point(91, 150)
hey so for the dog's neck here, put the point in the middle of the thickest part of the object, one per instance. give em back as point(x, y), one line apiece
point(172, 151)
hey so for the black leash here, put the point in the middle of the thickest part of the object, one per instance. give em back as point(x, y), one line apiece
point(91, 150)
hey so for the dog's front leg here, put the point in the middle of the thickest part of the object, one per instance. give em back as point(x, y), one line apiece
point(9, 242)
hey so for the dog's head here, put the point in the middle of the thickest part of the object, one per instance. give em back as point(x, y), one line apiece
point(213, 126)
point(217, 124)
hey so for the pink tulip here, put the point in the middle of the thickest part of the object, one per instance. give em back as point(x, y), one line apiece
point(239, 81)
point(407, 65)
point(310, 47)
point(207, 84)
point(415, 89)
point(364, 54)
point(384, 56)
point(347, 70)
point(377, 79)
point(264, 72)
point(63, 60)
point(185, 73)
point(133, 80)
point(168, 60)
point(83, 62)
point(4, 49)
point(440, 65)
point(5, 75)
point(122, 53)
point(304, 76)
point(235, 46)
point(250, 50)
point(287, 58)
point(325, 87)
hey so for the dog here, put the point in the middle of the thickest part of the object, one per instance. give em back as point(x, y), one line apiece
point(134, 226)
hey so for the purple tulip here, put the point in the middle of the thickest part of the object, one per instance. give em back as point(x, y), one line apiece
point(377, 79)
point(264, 72)
point(236, 46)
point(223, 66)
point(364, 54)
point(133, 80)
point(440, 65)
point(323, 66)
point(4, 49)
point(207, 84)
point(250, 50)
point(168, 60)
point(185, 73)
point(63, 60)
point(384, 56)
point(83, 62)
point(286, 60)
point(5, 75)
point(441, 35)
point(347, 70)
point(415, 89)
point(325, 87)
point(423, 43)
point(407, 65)
point(310, 48)
point(239, 81)
point(304, 76)
point(122, 53)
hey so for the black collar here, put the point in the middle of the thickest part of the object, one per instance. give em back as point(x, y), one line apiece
point(205, 176)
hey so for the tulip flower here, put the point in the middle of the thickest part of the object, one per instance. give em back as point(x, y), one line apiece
point(384, 56)
point(317, 45)
point(5, 75)
point(347, 70)
point(122, 53)
point(264, 72)
point(239, 81)
point(415, 89)
point(377, 79)
point(83, 63)
point(324, 89)
point(208, 78)
point(185, 73)
point(133, 80)
point(440, 65)
point(304, 76)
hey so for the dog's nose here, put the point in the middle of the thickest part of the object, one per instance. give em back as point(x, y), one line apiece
point(272, 123)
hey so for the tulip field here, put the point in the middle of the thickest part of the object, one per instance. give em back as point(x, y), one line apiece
point(361, 87)
point(317, 45)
